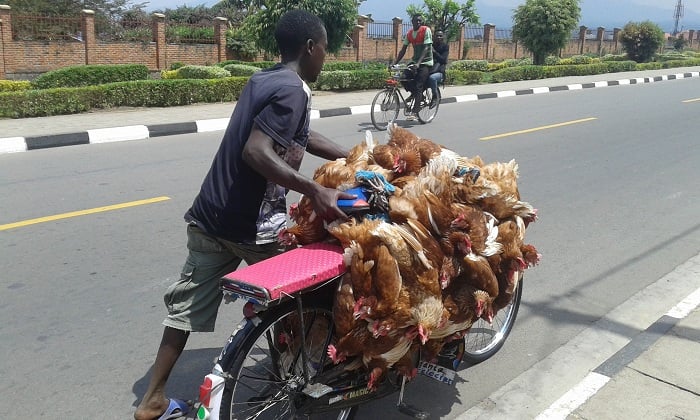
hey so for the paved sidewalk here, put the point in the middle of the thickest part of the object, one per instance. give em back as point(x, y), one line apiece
point(139, 123)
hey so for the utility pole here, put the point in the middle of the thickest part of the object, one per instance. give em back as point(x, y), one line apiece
point(677, 15)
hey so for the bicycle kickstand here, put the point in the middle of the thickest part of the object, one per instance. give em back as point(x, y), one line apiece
point(408, 409)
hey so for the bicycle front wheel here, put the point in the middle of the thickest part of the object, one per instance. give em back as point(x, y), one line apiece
point(266, 378)
point(483, 339)
point(385, 109)
point(429, 106)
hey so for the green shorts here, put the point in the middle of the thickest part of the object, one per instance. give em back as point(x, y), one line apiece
point(193, 301)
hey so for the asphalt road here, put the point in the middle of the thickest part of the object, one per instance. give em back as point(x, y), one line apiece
point(613, 173)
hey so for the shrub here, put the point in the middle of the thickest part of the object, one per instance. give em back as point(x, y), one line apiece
point(464, 77)
point(580, 59)
point(641, 40)
point(150, 93)
point(511, 74)
point(241, 69)
point(680, 63)
point(259, 64)
point(345, 80)
point(75, 76)
point(614, 57)
point(14, 86)
point(176, 65)
point(169, 74)
point(676, 55)
point(201, 72)
point(617, 66)
point(551, 60)
point(475, 65)
point(654, 65)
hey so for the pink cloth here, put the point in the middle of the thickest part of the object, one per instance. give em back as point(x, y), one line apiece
point(294, 270)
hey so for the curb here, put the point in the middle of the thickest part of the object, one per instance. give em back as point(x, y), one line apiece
point(141, 132)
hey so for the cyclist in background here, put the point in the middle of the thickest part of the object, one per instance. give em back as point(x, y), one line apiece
point(441, 50)
point(421, 38)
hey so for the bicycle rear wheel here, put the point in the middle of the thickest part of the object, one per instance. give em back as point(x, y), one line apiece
point(429, 106)
point(385, 108)
point(266, 377)
point(483, 339)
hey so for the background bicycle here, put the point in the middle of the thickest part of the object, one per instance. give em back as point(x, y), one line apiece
point(390, 100)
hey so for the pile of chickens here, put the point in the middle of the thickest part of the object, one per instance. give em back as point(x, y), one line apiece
point(448, 249)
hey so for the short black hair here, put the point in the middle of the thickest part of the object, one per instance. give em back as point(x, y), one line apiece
point(296, 27)
point(417, 15)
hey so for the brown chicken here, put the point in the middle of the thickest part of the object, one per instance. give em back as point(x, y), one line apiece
point(308, 228)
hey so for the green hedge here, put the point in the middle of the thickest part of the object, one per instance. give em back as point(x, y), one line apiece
point(14, 86)
point(464, 77)
point(202, 72)
point(649, 66)
point(241, 69)
point(143, 93)
point(473, 65)
point(76, 76)
point(689, 62)
point(346, 80)
point(259, 64)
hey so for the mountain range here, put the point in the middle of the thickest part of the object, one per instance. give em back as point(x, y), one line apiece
point(594, 13)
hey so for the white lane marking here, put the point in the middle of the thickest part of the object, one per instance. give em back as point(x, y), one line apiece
point(573, 399)
point(686, 306)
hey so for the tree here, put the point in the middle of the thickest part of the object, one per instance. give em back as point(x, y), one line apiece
point(641, 40)
point(448, 16)
point(339, 16)
point(111, 9)
point(544, 26)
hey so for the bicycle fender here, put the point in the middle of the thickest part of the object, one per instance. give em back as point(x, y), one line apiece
point(235, 340)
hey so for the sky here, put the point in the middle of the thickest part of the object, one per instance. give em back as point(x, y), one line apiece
point(594, 12)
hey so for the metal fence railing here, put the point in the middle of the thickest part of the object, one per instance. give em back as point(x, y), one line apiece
point(45, 28)
point(380, 30)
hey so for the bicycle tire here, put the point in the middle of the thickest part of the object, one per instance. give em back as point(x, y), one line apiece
point(385, 108)
point(484, 340)
point(427, 113)
point(262, 374)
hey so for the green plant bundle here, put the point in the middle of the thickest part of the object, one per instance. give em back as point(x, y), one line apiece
point(90, 75)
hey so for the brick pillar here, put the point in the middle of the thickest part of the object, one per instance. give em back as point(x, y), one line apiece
point(158, 30)
point(581, 39)
point(616, 40)
point(489, 38)
point(220, 27)
point(5, 38)
point(359, 37)
point(88, 17)
point(691, 35)
point(599, 38)
point(397, 34)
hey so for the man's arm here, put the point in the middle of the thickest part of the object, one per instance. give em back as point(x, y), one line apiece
point(321, 146)
point(259, 153)
point(401, 54)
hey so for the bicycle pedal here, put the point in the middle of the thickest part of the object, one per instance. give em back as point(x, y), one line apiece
point(412, 411)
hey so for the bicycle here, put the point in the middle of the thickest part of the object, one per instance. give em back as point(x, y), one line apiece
point(275, 363)
point(388, 102)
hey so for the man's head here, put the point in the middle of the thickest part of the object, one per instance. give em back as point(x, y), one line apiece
point(439, 37)
point(301, 37)
point(417, 21)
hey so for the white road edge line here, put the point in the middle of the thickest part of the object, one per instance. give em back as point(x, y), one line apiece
point(573, 399)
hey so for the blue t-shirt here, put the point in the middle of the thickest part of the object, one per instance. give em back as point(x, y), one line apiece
point(235, 202)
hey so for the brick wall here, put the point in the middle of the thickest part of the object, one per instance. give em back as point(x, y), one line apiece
point(22, 59)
